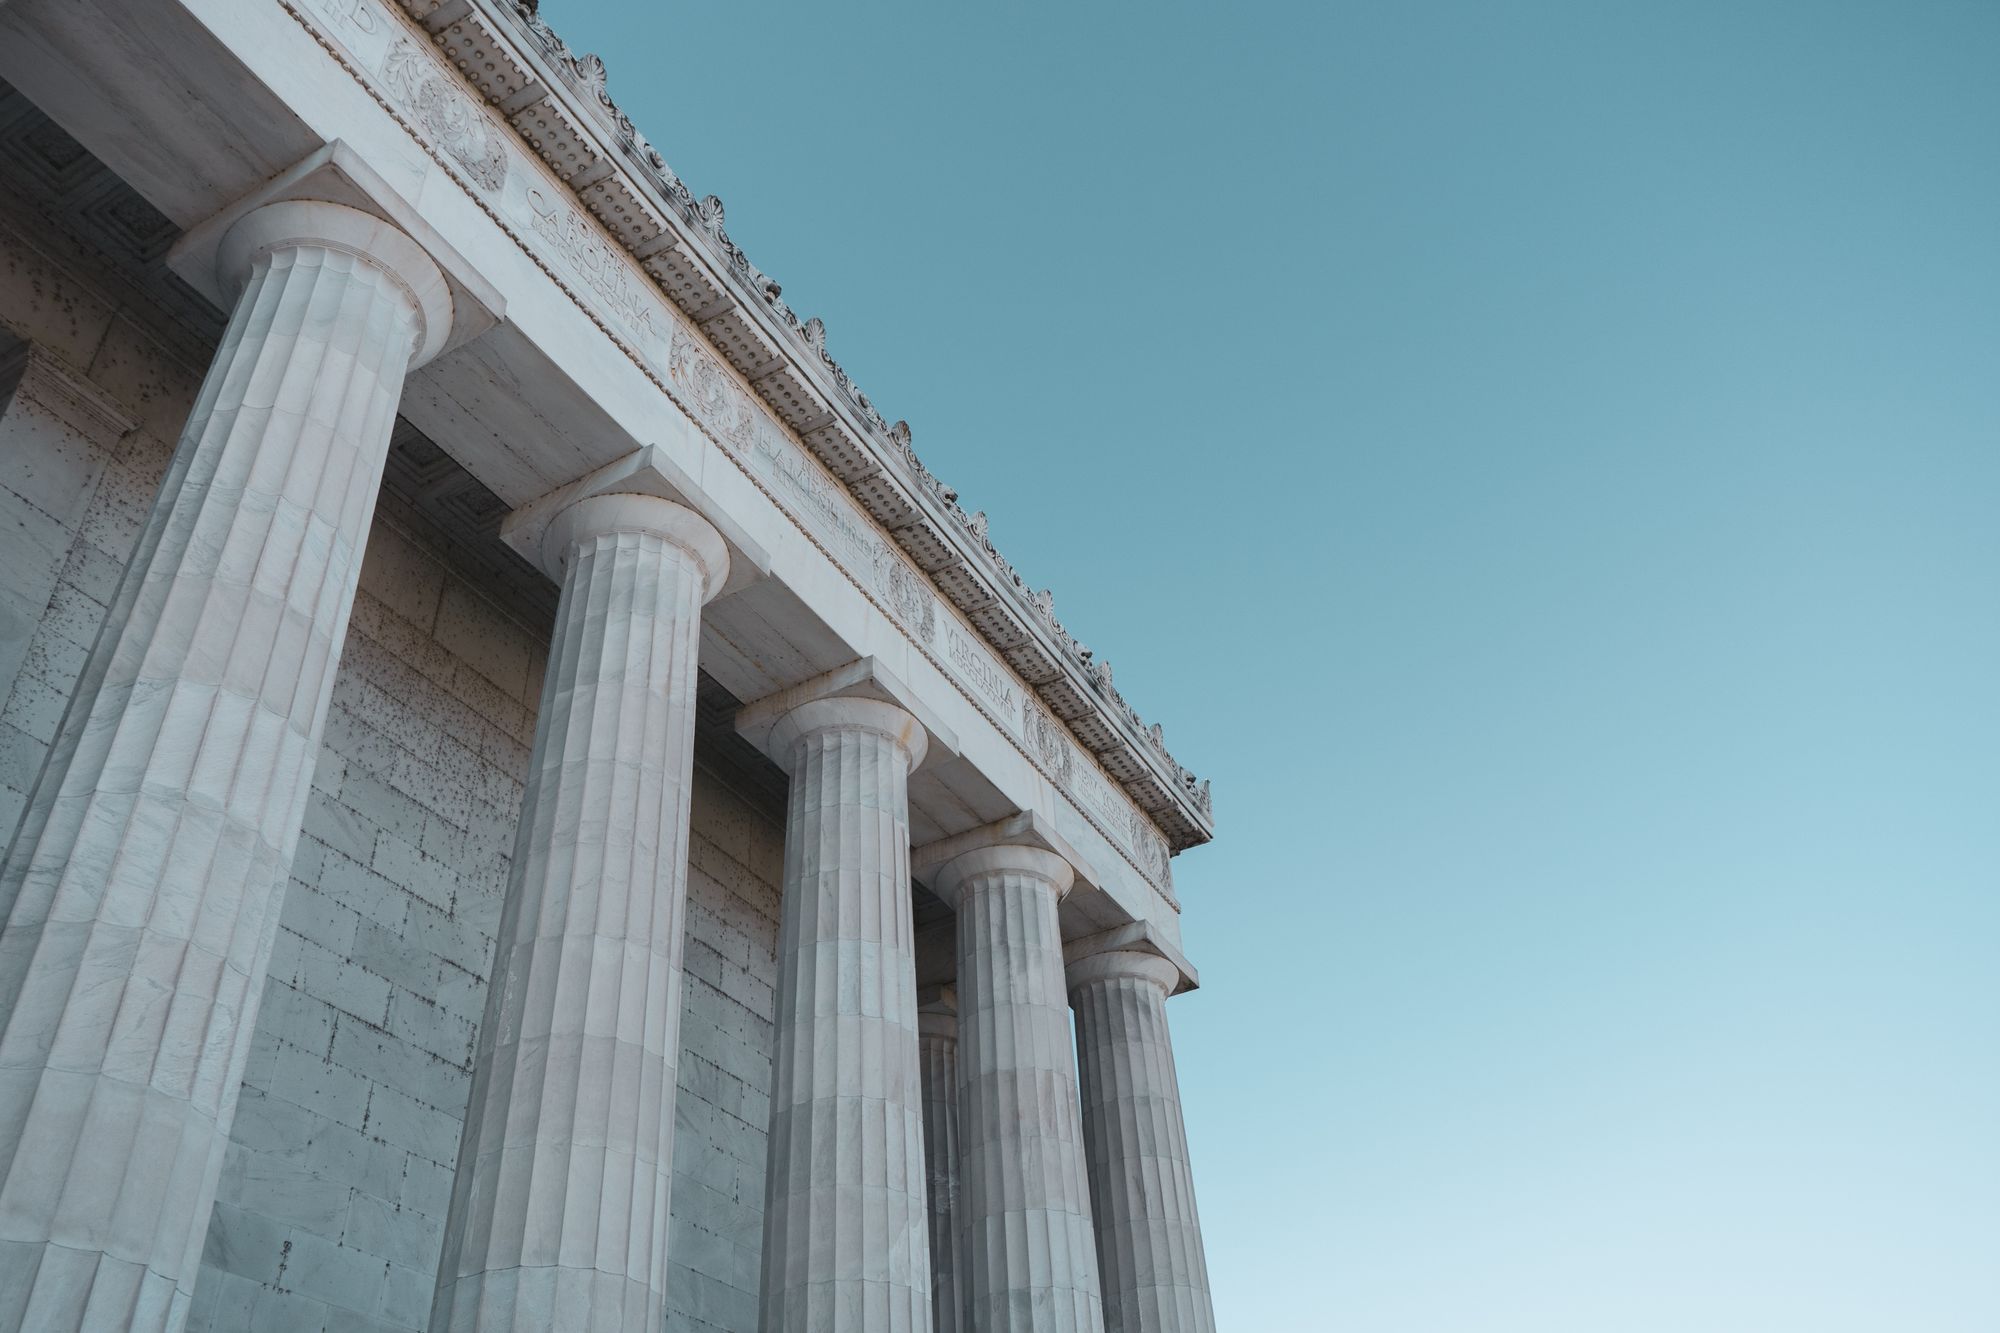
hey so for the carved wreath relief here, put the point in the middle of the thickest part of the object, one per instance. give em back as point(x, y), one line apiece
point(711, 395)
point(1046, 740)
point(910, 599)
point(454, 122)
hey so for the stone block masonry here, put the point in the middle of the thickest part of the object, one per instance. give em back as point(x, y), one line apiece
point(378, 930)
point(338, 1174)
point(723, 1104)
point(91, 403)
point(355, 1091)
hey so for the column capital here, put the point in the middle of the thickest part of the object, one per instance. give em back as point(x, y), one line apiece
point(292, 224)
point(949, 880)
point(648, 472)
point(1137, 949)
point(775, 722)
point(1124, 965)
point(848, 713)
point(596, 516)
point(456, 300)
point(1024, 829)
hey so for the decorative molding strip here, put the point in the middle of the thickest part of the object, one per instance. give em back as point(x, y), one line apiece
point(619, 292)
point(511, 55)
point(33, 373)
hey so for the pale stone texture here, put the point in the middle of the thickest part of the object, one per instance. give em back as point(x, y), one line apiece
point(937, 1045)
point(56, 431)
point(397, 882)
point(74, 490)
point(354, 1093)
point(846, 1249)
point(560, 1209)
point(1031, 1262)
point(142, 882)
point(723, 1104)
point(1155, 1277)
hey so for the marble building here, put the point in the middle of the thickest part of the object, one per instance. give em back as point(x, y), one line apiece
point(526, 805)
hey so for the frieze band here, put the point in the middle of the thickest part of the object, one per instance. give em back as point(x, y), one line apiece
point(412, 78)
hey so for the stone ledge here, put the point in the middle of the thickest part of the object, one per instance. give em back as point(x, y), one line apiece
point(557, 102)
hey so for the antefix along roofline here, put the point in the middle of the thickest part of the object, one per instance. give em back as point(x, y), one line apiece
point(556, 102)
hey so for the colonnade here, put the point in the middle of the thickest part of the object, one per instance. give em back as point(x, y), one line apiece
point(935, 1162)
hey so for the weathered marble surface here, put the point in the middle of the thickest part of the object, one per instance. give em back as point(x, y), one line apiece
point(559, 1215)
point(846, 1247)
point(142, 883)
point(1154, 1274)
point(937, 1039)
point(1023, 1206)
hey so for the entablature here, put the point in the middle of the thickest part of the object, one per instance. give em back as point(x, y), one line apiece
point(556, 102)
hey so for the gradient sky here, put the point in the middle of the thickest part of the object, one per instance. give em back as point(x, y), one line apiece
point(1540, 461)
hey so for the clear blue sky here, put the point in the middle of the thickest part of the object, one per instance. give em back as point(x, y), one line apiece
point(1542, 461)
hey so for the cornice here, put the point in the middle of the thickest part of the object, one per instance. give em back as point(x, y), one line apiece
point(557, 102)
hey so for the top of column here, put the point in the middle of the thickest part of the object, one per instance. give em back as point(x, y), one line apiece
point(848, 714)
point(596, 516)
point(333, 197)
point(1137, 950)
point(862, 694)
point(950, 878)
point(296, 223)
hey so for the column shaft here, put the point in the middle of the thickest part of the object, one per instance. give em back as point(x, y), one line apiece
point(142, 891)
point(1155, 1278)
point(845, 1243)
point(1023, 1209)
point(559, 1211)
point(937, 1046)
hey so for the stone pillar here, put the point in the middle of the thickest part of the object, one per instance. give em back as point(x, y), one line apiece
point(1155, 1277)
point(1031, 1263)
point(845, 1243)
point(142, 891)
point(559, 1209)
point(937, 1050)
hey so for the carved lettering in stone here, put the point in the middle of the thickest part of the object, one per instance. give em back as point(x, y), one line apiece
point(454, 126)
point(602, 269)
point(453, 120)
point(980, 670)
point(357, 14)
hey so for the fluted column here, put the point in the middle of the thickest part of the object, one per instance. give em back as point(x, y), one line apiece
point(937, 1051)
point(1031, 1262)
point(142, 891)
point(559, 1210)
point(845, 1242)
point(1155, 1277)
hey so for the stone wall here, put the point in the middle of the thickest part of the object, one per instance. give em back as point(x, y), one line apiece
point(736, 870)
point(331, 1206)
point(91, 403)
point(334, 1193)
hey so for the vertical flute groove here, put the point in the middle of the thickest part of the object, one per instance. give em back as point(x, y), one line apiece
point(1155, 1276)
point(559, 1210)
point(846, 1248)
point(1023, 1209)
point(141, 891)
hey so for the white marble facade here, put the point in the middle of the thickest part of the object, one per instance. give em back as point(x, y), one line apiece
point(487, 711)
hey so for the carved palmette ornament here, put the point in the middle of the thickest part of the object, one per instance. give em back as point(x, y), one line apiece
point(452, 120)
